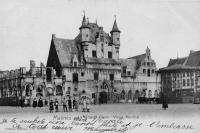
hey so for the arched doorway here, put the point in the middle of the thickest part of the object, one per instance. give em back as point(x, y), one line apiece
point(28, 90)
point(103, 97)
point(122, 95)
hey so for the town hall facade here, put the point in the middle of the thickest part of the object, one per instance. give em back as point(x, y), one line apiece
point(90, 65)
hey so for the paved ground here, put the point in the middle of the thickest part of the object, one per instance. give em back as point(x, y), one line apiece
point(178, 110)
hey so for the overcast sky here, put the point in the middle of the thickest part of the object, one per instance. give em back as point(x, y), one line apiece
point(168, 27)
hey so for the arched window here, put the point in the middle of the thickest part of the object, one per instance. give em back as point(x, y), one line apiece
point(137, 94)
point(39, 91)
point(130, 95)
point(123, 95)
point(59, 90)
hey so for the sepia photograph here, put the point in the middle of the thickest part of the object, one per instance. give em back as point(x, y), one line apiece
point(99, 66)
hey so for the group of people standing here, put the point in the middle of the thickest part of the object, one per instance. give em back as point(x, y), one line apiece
point(67, 104)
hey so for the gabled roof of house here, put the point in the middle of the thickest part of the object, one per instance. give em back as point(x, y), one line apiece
point(65, 49)
point(193, 59)
point(191, 62)
point(177, 61)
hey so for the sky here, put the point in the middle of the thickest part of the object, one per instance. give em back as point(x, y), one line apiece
point(170, 28)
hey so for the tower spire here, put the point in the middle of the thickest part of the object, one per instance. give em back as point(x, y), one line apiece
point(115, 27)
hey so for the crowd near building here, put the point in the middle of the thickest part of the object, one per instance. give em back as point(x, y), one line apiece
point(90, 65)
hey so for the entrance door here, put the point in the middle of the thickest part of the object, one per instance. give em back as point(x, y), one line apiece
point(103, 97)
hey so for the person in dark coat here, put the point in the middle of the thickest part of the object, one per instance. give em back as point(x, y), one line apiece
point(51, 108)
point(74, 103)
point(34, 103)
point(22, 102)
point(56, 105)
point(164, 102)
point(40, 102)
point(70, 104)
point(64, 105)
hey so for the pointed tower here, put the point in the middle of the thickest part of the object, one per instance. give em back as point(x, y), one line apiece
point(115, 33)
point(85, 31)
point(115, 37)
point(148, 53)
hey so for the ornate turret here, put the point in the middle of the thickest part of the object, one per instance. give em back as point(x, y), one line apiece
point(115, 33)
point(85, 30)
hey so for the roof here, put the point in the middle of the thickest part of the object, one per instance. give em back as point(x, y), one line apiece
point(128, 62)
point(102, 61)
point(176, 67)
point(65, 49)
point(192, 62)
point(193, 59)
point(177, 61)
point(94, 29)
point(115, 27)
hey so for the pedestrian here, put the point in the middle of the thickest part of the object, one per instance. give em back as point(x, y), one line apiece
point(74, 103)
point(70, 104)
point(56, 105)
point(40, 102)
point(84, 105)
point(64, 105)
point(164, 102)
point(22, 102)
point(34, 103)
point(51, 106)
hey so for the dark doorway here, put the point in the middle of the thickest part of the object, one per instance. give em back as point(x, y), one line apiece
point(103, 97)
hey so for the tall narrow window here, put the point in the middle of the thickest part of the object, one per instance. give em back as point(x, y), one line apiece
point(110, 54)
point(49, 74)
point(75, 77)
point(124, 69)
point(96, 76)
point(94, 53)
point(183, 82)
point(111, 76)
point(148, 73)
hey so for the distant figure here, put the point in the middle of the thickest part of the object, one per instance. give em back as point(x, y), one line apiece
point(40, 102)
point(164, 102)
point(70, 104)
point(51, 106)
point(34, 103)
point(21, 102)
point(74, 103)
point(84, 105)
point(64, 105)
point(56, 105)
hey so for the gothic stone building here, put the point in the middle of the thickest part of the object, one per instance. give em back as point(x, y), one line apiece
point(28, 84)
point(180, 80)
point(89, 64)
